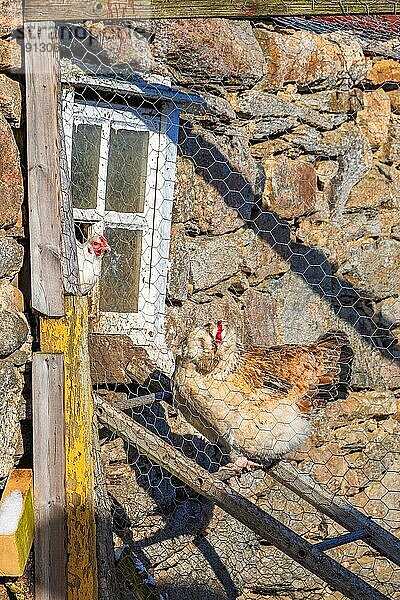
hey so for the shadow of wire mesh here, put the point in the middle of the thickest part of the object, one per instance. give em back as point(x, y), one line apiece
point(249, 172)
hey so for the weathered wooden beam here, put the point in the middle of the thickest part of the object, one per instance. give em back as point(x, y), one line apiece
point(69, 335)
point(44, 191)
point(77, 10)
point(49, 476)
point(16, 545)
point(335, 575)
point(337, 509)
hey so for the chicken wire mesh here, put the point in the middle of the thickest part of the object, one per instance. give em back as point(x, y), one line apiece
point(228, 187)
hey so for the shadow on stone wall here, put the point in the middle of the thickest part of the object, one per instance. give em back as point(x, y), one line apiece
point(349, 303)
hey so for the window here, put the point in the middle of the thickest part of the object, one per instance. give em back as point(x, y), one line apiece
point(121, 161)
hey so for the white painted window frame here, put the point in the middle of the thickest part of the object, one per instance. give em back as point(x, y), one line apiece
point(147, 326)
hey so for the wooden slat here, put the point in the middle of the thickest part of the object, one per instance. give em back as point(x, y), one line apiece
point(43, 168)
point(66, 10)
point(337, 509)
point(307, 555)
point(69, 335)
point(49, 476)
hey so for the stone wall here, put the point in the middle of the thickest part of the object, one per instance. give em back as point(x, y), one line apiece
point(15, 341)
point(286, 224)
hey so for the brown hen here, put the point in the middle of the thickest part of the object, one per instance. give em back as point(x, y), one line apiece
point(258, 403)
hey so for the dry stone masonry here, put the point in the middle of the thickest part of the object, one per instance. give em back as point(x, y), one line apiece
point(15, 347)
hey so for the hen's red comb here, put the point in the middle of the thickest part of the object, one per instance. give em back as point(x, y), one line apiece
point(218, 336)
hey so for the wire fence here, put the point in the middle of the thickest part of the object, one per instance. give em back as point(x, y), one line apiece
point(231, 188)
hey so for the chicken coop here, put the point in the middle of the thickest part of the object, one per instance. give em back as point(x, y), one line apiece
point(214, 258)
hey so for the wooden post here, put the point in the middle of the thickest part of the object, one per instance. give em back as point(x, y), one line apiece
point(49, 476)
point(39, 10)
point(44, 191)
point(69, 335)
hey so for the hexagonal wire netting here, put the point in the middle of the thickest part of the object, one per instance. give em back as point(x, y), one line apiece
point(245, 176)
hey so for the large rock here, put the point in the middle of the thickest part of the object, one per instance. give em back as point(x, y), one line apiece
point(11, 184)
point(376, 190)
point(14, 332)
point(383, 71)
point(113, 359)
point(259, 313)
point(291, 187)
point(259, 104)
point(11, 256)
point(11, 297)
point(121, 45)
point(10, 99)
point(215, 259)
point(10, 399)
point(312, 141)
point(10, 55)
point(267, 128)
point(374, 267)
point(210, 51)
point(218, 192)
point(214, 110)
point(330, 101)
point(374, 119)
point(394, 96)
point(260, 260)
point(358, 226)
point(11, 16)
point(310, 60)
point(200, 203)
point(390, 152)
point(354, 161)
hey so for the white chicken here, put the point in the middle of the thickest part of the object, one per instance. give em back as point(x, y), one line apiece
point(90, 255)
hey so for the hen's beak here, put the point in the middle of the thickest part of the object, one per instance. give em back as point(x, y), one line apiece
point(106, 249)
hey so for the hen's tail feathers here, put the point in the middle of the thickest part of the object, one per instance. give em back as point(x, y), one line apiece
point(336, 356)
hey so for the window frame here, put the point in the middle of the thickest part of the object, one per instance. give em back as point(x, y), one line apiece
point(147, 326)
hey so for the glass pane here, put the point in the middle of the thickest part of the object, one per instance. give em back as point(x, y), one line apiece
point(127, 170)
point(119, 282)
point(85, 165)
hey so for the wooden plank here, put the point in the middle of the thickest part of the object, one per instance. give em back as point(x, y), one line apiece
point(65, 10)
point(69, 335)
point(15, 547)
point(42, 149)
point(49, 476)
point(337, 509)
point(263, 524)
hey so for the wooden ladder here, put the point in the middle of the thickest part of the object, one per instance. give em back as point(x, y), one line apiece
point(214, 488)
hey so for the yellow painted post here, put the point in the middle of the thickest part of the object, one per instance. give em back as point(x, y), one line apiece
point(15, 546)
point(69, 335)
